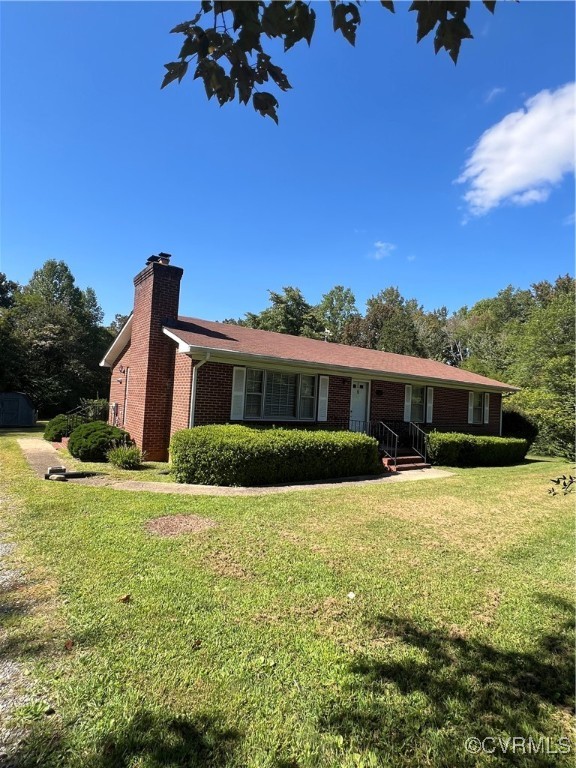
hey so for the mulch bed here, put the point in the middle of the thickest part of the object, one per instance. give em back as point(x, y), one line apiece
point(176, 525)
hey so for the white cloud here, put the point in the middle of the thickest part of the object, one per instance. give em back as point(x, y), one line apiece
point(411, 258)
point(522, 157)
point(570, 220)
point(382, 250)
point(491, 95)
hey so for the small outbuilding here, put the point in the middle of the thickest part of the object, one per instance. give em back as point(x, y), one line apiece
point(16, 410)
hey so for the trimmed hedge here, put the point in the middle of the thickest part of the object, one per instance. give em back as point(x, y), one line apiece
point(239, 455)
point(60, 426)
point(92, 441)
point(453, 449)
point(515, 423)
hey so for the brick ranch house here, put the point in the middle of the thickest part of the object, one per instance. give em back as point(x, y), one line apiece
point(171, 372)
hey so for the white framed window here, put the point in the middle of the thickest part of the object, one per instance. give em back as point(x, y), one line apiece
point(418, 404)
point(478, 407)
point(270, 395)
point(254, 393)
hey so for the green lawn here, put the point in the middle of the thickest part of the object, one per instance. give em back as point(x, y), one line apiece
point(365, 626)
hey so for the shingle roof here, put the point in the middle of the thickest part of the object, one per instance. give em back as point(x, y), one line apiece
point(236, 340)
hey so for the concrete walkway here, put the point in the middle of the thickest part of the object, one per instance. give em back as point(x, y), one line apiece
point(41, 455)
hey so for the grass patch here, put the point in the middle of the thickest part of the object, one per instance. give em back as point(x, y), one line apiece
point(364, 626)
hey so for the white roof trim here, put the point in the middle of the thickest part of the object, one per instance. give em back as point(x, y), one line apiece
point(118, 344)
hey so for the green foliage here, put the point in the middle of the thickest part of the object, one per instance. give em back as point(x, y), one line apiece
point(515, 423)
point(336, 308)
point(92, 441)
point(125, 456)
point(58, 427)
point(8, 289)
point(453, 449)
point(389, 324)
point(52, 341)
point(239, 455)
point(289, 313)
point(224, 41)
point(554, 416)
point(94, 409)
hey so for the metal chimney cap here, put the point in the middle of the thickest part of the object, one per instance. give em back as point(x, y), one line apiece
point(162, 258)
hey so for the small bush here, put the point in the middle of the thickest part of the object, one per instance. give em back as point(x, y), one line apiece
point(60, 426)
point(454, 449)
point(125, 456)
point(515, 423)
point(92, 441)
point(239, 455)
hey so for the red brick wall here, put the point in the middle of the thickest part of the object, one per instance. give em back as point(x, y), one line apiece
point(214, 398)
point(213, 394)
point(450, 410)
point(152, 357)
point(339, 393)
point(386, 401)
point(181, 393)
point(118, 386)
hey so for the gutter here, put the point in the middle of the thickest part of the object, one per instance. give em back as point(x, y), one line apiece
point(195, 368)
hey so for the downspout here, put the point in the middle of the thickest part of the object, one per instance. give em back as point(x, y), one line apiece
point(195, 368)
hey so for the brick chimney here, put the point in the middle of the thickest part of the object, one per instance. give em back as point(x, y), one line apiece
point(156, 296)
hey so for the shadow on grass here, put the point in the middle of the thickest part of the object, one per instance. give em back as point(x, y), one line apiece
point(148, 739)
point(37, 429)
point(419, 703)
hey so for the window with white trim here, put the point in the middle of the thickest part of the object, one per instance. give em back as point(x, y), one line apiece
point(418, 404)
point(277, 395)
point(478, 407)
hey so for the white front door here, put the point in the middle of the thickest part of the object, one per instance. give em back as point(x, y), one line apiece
point(358, 403)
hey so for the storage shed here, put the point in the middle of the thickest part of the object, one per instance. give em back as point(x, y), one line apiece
point(16, 410)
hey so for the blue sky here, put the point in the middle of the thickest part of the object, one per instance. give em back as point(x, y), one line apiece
point(390, 165)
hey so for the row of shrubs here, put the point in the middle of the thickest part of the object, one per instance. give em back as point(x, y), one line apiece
point(95, 441)
point(239, 455)
point(454, 449)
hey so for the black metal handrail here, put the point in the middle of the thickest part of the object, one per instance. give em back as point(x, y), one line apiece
point(418, 439)
point(387, 441)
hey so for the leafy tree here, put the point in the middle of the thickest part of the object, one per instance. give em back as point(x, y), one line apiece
point(55, 328)
point(224, 41)
point(8, 288)
point(493, 327)
point(289, 313)
point(544, 365)
point(432, 334)
point(335, 309)
point(117, 324)
point(388, 325)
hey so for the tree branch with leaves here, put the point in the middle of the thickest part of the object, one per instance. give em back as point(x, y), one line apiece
point(223, 43)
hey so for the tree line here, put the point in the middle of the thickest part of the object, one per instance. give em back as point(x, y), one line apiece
point(52, 339)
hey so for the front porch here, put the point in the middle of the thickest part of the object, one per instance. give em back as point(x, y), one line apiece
point(401, 444)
